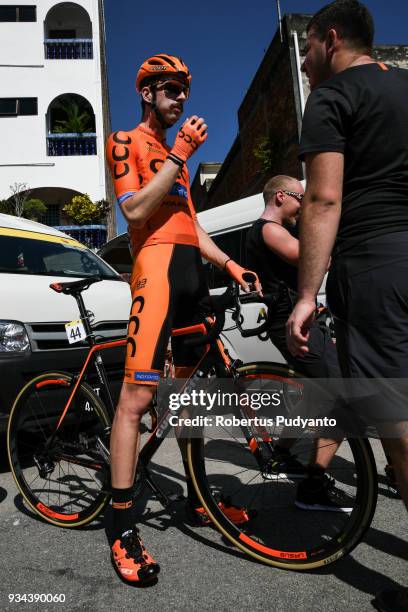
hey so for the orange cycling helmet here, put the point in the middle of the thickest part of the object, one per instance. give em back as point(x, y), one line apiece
point(162, 65)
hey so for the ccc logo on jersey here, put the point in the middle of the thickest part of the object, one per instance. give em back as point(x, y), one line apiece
point(120, 153)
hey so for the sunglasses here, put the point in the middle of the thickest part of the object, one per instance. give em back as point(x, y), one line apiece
point(174, 88)
point(294, 194)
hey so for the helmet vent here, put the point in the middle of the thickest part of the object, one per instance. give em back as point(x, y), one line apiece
point(167, 59)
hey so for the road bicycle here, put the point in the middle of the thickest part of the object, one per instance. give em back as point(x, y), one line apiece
point(58, 447)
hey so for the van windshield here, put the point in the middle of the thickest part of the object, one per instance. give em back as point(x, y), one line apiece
point(48, 255)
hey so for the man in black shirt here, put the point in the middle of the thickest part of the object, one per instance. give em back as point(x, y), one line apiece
point(355, 145)
point(273, 252)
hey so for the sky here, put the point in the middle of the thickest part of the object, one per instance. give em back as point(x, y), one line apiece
point(222, 42)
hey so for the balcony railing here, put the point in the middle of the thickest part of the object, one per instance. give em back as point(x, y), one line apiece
point(71, 144)
point(68, 48)
point(94, 236)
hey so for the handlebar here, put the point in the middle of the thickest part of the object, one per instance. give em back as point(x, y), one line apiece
point(218, 304)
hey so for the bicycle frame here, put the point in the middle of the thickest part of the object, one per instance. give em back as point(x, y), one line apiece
point(162, 429)
point(93, 353)
point(214, 355)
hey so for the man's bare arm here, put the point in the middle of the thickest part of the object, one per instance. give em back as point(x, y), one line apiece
point(138, 208)
point(280, 241)
point(321, 211)
point(320, 220)
point(213, 254)
point(209, 249)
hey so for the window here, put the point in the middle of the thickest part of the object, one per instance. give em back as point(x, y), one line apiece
point(17, 12)
point(21, 255)
point(62, 34)
point(18, 106)
point(8, 106)
point(52, 216)
point(27, 106)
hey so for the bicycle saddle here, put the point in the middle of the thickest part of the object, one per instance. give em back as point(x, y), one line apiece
point(75, 287)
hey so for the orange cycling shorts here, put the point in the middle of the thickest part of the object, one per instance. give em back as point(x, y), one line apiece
point(167, 283)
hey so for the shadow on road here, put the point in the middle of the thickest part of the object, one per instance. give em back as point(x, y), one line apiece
point(362, 578)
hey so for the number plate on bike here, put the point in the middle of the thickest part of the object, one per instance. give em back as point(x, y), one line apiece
point(75, 331)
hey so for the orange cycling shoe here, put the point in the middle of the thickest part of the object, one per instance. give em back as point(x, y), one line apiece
point(131, 560)
point(198, 516)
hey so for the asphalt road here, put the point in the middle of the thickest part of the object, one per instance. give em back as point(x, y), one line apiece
point(199, 569)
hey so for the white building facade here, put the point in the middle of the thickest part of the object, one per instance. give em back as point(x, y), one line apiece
point(52, 58)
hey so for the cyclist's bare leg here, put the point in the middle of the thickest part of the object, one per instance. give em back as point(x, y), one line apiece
point(129, 556)
point(125, 436)
point(134, 401)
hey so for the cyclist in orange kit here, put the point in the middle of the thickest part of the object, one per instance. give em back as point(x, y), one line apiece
point(153, 190)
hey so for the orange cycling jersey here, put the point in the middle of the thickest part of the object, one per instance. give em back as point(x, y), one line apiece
point(135, 157)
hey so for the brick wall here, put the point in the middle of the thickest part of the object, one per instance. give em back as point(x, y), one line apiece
point(267, 111)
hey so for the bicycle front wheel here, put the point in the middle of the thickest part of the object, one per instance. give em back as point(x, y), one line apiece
point(282, 534)
point(62, 471)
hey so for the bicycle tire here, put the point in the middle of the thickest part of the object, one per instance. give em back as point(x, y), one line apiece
point(67, 485)
point(283, 535)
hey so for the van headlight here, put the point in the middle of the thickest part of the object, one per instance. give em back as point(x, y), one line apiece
point(13, 337)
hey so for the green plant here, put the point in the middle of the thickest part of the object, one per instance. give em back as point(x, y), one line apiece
point(263, 152)
point(6, 207)
point(104, 207)
point(78, 120)
point(34, 209)
point(82, 210)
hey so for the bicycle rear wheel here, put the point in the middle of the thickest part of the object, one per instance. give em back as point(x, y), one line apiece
point(282, 534)
point(66, 482)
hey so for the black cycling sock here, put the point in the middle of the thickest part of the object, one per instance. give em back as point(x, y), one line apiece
point(191, 492)
point(122, 507)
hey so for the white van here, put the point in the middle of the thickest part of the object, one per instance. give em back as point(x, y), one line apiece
point(33, 317)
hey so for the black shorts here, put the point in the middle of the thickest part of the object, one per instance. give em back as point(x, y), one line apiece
point(367, 292)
